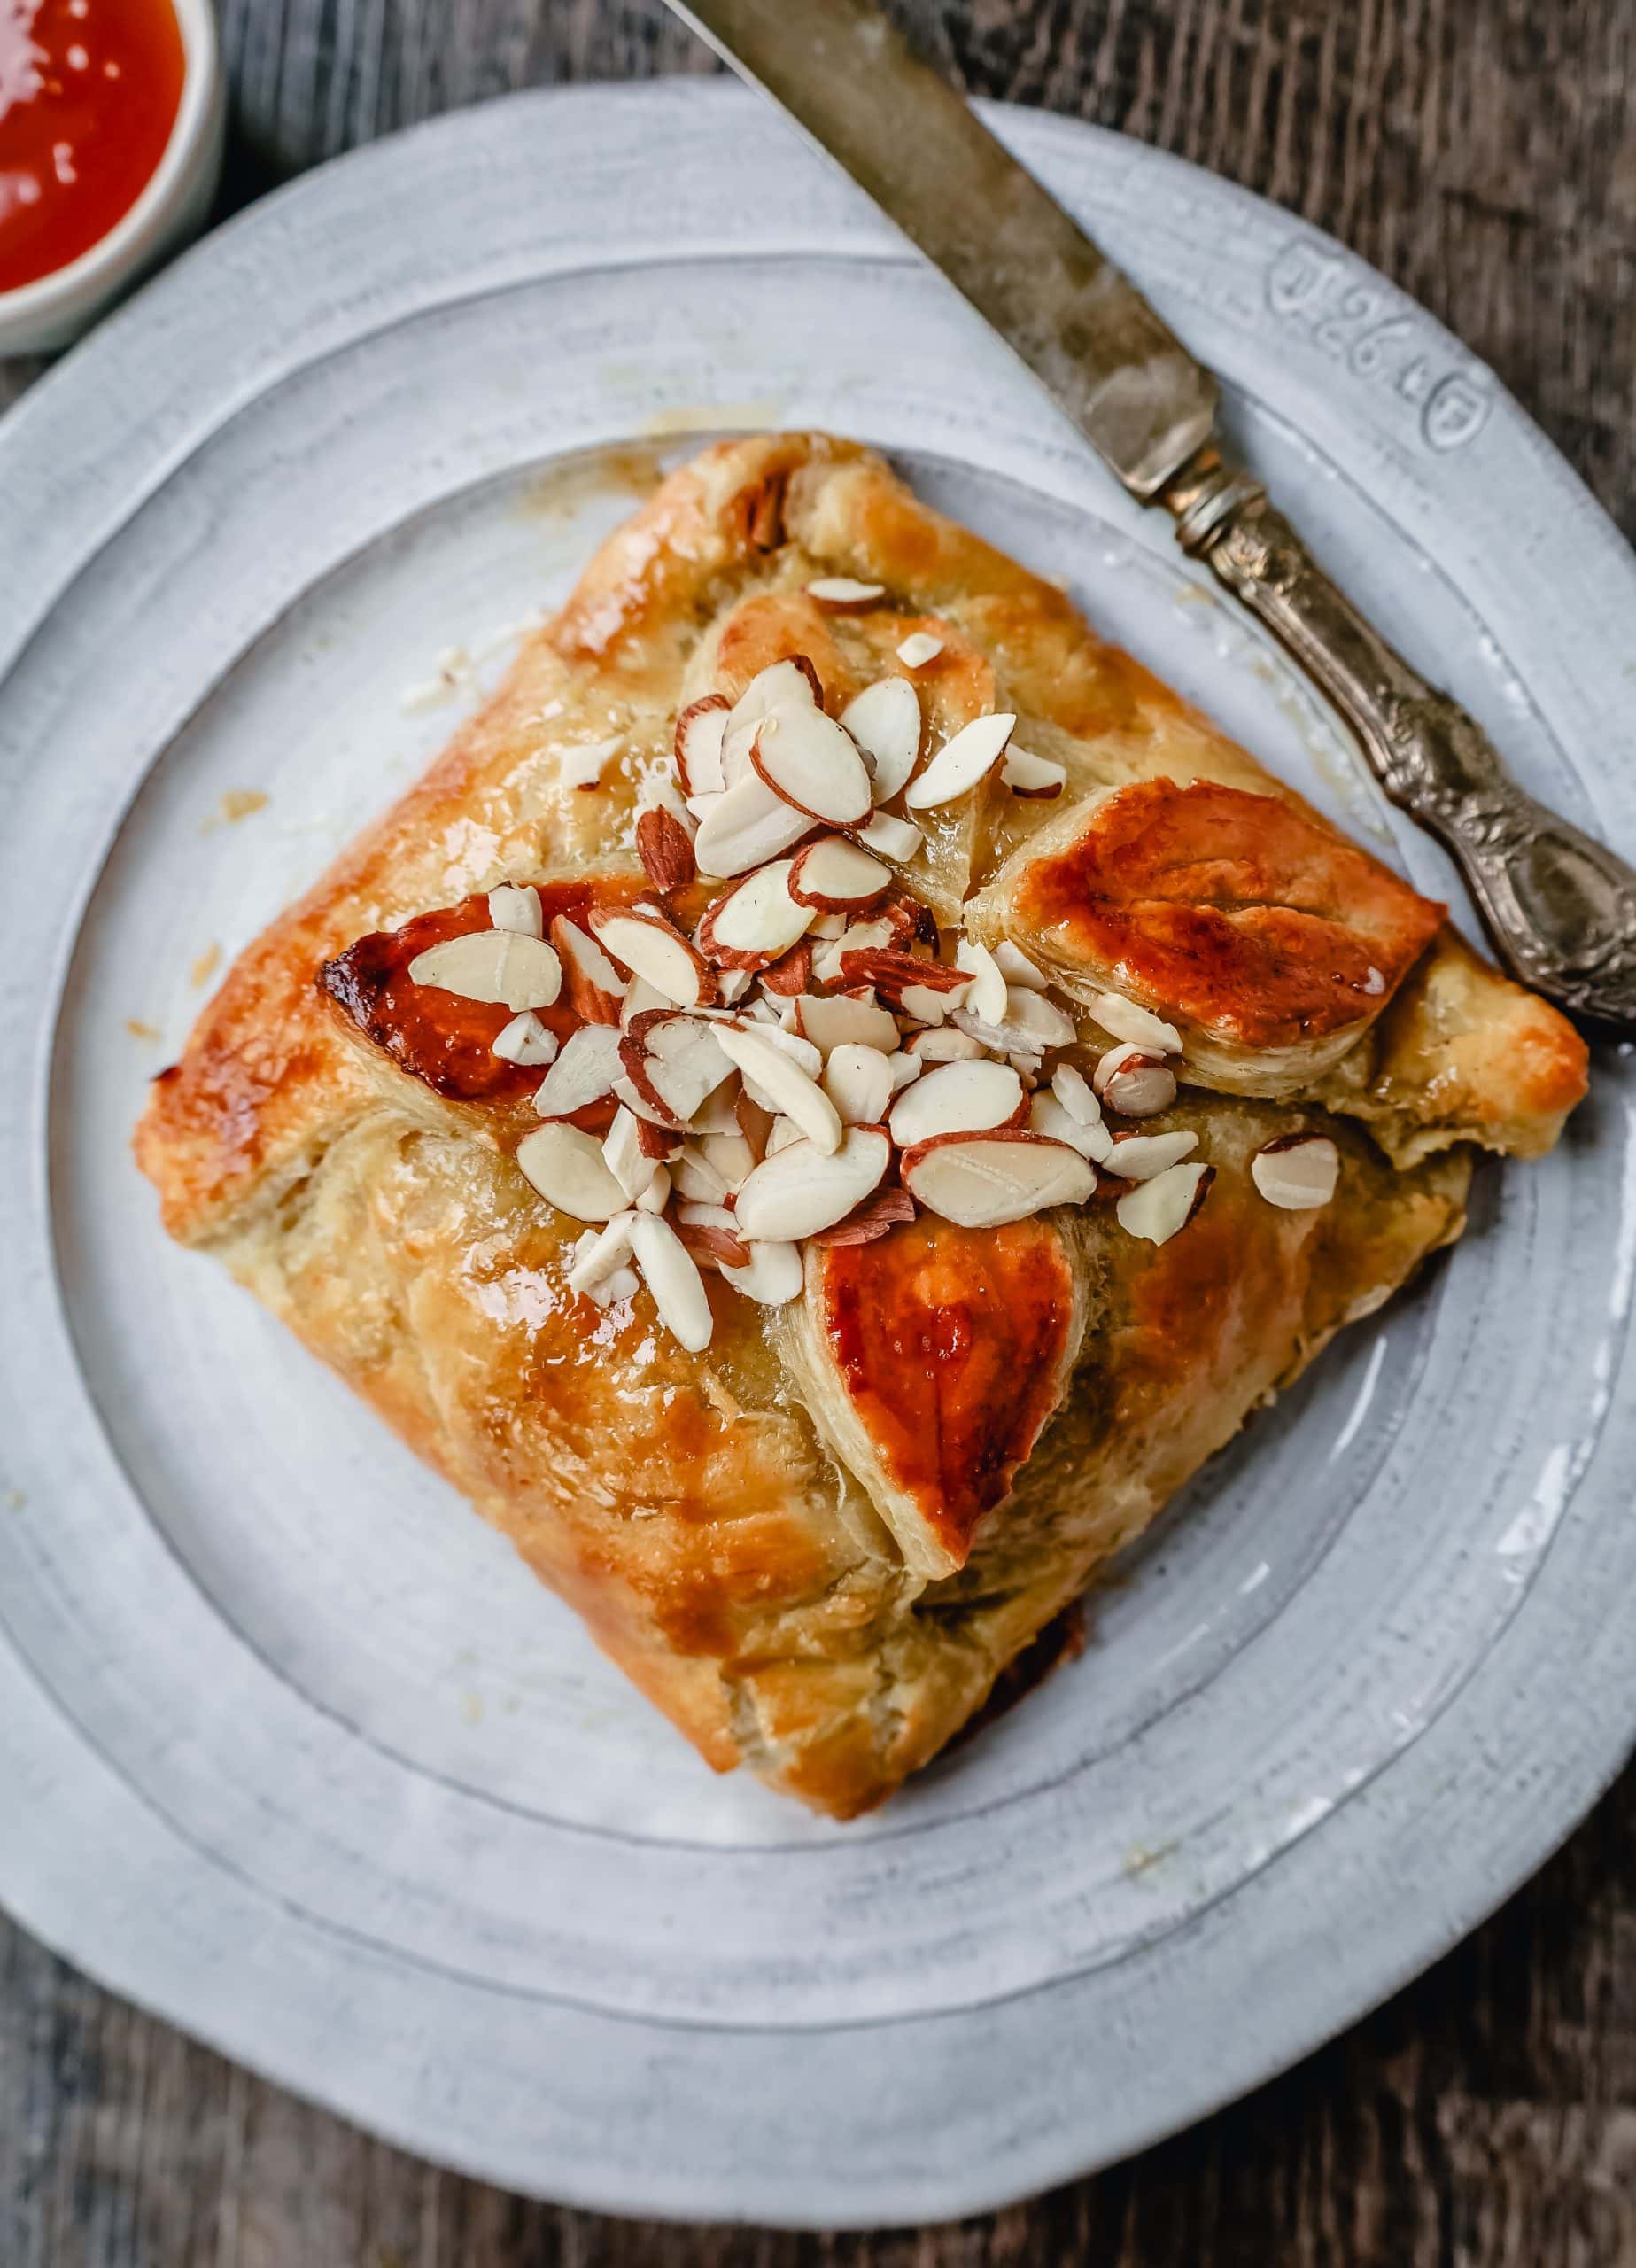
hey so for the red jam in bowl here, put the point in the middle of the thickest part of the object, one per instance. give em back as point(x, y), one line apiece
point(88, 94)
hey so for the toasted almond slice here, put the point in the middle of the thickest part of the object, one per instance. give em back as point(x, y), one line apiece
point(595, 989)
point(1035, 777)
point(672, 1277)
point(524, 1040)
point(569, 1170)
point(694, 1178)
point(777, 690)
point(987, 995)
point(665, 848)
point(701, 729)
point(745, 827)
point(641, 999)
point(876, 1217)
point(979, 1181)
point(919, 649)
point(943, 1044)
point(713, 1247)
point(774, 1278)
point(599, 1253)
point(957, 1098)
point(1158, 1209)
point(844, 593)
point(845, 1018)
point(962, 762)
point(1035, 1023)
point(805, 758)
point(655, 950)
point(797, 1047)
point(730, 1156)
point(734, 983)
point(1135, 1086)
point(755, 922)
point(626, 1092)
point(674, 1060)
point(583, 1072)
point(1141, 1157)
point(834, 876)
point(693, 1215)
point(1128, 1021)
point(623, 1155)
point(781, 1133)
point(778, 1078)
point(885, 721)
point(904, 1068)
point(1019, 969)
point(799, 1189)
point(1046, 1116)
point(494, 965)
point(1076, 1095)
point(857, 936)
point(890, 968)
point(825, 926)
point(516, 907)
point(895, 838)
point(926, 1004)
point(858, 1081)
point(1296, 1172)
point(583, 766)
point(656, 1196)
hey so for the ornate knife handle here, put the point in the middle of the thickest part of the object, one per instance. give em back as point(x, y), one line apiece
point(1560, 907)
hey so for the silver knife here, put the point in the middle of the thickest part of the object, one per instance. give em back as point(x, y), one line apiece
point(1560, 907)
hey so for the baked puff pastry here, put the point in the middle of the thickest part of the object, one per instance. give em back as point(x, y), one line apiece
point(831, 1100)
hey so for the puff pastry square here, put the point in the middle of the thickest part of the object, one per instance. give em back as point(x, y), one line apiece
point(876, 1349)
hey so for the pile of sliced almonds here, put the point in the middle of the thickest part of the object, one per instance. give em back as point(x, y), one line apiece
point(811, 1059)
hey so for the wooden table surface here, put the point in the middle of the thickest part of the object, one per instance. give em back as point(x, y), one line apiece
point(1483, 153)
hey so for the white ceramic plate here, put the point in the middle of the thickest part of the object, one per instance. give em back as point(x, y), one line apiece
point(290, 1747)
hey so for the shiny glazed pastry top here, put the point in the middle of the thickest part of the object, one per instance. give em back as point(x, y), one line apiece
point(831, 1098)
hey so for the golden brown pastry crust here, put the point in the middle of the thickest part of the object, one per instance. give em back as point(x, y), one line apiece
point(686, 1505)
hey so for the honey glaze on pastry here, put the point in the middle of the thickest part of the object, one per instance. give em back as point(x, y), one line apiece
point(837, 1092)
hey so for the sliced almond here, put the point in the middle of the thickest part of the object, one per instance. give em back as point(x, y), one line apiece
point(834, 876)
point(498, 966)
point(672, 1277)
point(665, 849)
point(1158, 1209)
point(845, 1018)
point(1019, 969)
point(904, 1068)
point(1137, 1025)
point(961, 762)
point(805, 757)
point(641, 999)
point(524, 1040)
point(1046, 1116)
point(1076, 1095)
point(1296, 1172)
point(1135, 1086)
point(516, 907)
point(658, 791)
point(1034, 1021)
point(595, 989)
point(778, 1078)
point(877, 1216)
point(1141, 1157)
point(844, 593)
point(858, 1081)
point(693, 1215)
point(623, 1283)
point(694, 1178)
point(584, 1072)
point(655, 950)
point(583, 766)
point(781, 1133)
point(987, 995)
point(755, 922)
point(745, 827)
point(701, 729)
point(777, 690)
point(674, 1061)
point(885, 721)
point(774, 1278)
point(789, 976)
point(889, 968)
point(1035, 777)
point(730, 1156)
point(897, 839)
point(734, 983)
point(623, 1155)
point(634, 1100)
point(599, 1253)
point(927, 1003)
point(959, 1098)
point(656, 1196)
point(797, 1047)
point(944, 1043)
point(920, 647)
point(800, 1189)
point(569, 1170)
point(979, 1181)
point(883, 930)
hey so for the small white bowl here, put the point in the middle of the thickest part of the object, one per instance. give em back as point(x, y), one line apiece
point(56, 308)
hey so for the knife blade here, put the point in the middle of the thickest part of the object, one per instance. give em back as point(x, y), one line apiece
point(1559, 906)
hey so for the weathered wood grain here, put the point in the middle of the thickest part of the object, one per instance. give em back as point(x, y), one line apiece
point(1483, 153)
